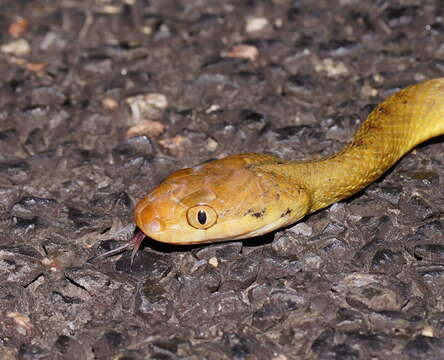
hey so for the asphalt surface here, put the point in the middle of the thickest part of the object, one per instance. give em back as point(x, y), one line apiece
point(100, 100)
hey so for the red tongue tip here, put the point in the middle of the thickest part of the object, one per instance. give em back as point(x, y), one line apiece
point(136, 241)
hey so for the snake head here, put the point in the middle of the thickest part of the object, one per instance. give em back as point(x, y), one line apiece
point(226, 199)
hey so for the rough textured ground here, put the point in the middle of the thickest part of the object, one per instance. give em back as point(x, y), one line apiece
point(78, 145)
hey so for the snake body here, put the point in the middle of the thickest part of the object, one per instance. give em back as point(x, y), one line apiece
point(247, 195)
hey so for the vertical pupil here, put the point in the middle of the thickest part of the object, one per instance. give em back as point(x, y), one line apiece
point(202, 217)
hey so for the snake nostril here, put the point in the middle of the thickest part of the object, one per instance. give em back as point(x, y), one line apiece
point(153, 226)
point(147, 219)
point(144, 215)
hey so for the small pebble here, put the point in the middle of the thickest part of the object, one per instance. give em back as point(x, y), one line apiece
point(212, 108)
point(18, 47)
point(148, 106)
point(110, 104)
point(427, 331)
point(213, 262)
point(332, 68)
point(175, 145)
point(212, 145)
point(302, 229)
point(255, 24)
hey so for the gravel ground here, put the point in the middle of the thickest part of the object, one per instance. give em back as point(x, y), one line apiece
point(101, 99)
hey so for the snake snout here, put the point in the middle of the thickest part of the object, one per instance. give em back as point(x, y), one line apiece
point(147, 219)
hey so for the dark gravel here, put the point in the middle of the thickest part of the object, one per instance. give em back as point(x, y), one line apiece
point(100, 100)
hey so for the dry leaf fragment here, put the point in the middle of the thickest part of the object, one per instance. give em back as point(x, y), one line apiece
point(242, 51)
point(175, 145)
point(22, 321)
point(110, 104)
point(18, 27)
point(146, 127)
point(36, 67)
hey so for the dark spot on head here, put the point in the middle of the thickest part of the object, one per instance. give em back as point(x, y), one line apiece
point(255, 213)
point(358, 142)
point(404, 96)
point(249, 211)
point(259, 213)
point(372, 126)
point(382, 110)
point(287, 212)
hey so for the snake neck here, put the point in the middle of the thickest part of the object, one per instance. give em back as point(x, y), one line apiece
point(342, 175)
point(393, 128)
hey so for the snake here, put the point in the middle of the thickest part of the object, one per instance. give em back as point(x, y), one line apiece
point(248, 195)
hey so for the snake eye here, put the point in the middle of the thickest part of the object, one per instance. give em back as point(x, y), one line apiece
point(201, 216)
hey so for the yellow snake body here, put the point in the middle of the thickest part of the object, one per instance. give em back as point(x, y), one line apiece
point(247, 195)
